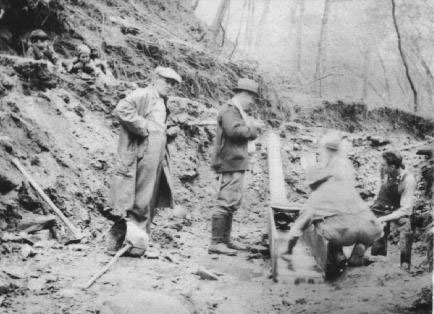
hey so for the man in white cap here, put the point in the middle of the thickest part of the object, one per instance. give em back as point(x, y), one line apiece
point(141, 173)
point(230, 159)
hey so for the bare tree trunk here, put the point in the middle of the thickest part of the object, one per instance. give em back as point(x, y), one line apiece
point(386, 80)
point(404, 59)
point(237, 38)
point(249, 26)
point(195, 4)
point(321, 44)
point(262, 22)
point(217, 23)
point(365, 74)
point(301, 7)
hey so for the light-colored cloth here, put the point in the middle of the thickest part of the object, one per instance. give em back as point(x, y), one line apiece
point(157, 116)
point(230, 193)
point(335, 206)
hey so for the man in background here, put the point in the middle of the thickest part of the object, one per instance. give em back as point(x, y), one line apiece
point(394, 205)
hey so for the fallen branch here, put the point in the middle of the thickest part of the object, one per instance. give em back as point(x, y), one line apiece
point(112, 261)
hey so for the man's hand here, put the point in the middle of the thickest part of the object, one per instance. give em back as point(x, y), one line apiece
point(256, 124)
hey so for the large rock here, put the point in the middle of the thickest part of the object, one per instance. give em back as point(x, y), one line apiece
point(141, 302)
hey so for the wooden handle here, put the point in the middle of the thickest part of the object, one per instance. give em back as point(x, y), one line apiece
point(112, 261)
point(77, 233)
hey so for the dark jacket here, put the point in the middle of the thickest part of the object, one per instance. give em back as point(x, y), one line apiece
point(80, 67)
point(232, 136)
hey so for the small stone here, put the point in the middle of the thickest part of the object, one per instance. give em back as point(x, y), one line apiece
point(286, 302)
point(152, 254)
point(179, 212)
point(27, 251)
point(68, 293)
point(77, 247)
point(204, 274)
point(14, 272)
point(36, 284)
point(300, 301)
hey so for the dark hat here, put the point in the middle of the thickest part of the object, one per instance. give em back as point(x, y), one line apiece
point(245, 84)
point(38, 34)
point(393, 158)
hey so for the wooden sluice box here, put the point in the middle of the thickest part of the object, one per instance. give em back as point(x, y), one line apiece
point(308, 260)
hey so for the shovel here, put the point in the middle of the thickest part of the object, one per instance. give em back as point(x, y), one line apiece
point(78, 236)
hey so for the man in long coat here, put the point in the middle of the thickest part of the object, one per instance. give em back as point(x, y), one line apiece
point(142, 180)
point(231, 160)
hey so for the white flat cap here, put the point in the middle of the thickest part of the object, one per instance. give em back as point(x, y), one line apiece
point(168, 73)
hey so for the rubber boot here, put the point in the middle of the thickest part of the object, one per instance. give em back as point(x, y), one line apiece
point(218, 225)
point(406, 243)
point(336, 262)
point(357, 257)
point(227, 235)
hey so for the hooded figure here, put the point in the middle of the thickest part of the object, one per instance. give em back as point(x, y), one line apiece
point(142, 178)
point(334, 206)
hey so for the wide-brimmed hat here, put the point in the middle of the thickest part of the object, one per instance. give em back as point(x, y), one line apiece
point(245, 84)
point(168, 73)
point(38, 34)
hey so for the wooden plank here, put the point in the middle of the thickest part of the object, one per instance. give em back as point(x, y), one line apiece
point(300, 266)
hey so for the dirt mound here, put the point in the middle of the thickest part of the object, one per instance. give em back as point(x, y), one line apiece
point(356, 117)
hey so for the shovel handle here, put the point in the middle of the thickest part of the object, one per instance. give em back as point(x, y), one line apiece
point(106, 267)
point(76, 232)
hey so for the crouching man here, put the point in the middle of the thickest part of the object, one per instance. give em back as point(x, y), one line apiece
point(335, 209)
point(230, 160)
point(142, 171)
point(394, 205)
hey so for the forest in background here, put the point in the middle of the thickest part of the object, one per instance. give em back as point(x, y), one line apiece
point(377, 52)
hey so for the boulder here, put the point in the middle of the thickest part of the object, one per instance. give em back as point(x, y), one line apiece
point(140, 302)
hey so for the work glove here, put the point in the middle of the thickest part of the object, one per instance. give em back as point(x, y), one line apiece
point(137, 238)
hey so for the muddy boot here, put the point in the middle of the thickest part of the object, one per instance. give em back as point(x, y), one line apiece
point(358, 256)
point(379, 247)
point(405, 244)
point(227, 235)
point(218, 225)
